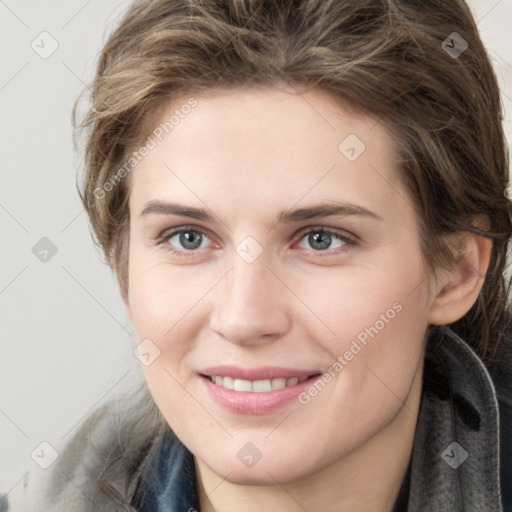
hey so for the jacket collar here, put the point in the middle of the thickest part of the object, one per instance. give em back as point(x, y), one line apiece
point(455, 459)
point(169, 483)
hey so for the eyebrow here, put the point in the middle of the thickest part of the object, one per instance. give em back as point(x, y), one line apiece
point(289, 216)
point(326, 210)
point(162, 208)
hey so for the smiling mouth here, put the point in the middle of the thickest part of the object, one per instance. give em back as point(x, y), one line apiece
point(257, 386)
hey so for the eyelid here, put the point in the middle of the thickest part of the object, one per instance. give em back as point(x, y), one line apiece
point(348, 237)
point(168, 232)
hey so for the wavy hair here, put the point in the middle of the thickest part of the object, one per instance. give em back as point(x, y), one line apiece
point(389, 59)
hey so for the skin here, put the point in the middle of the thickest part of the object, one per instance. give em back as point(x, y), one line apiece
point(247, 156)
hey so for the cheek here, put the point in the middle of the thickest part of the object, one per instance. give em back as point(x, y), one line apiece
point(377, 318)
point(162, 297)
point(376, 351)
point(165, 304)
point(363, 302)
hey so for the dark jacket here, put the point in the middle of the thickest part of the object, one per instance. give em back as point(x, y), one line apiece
point(461, 460)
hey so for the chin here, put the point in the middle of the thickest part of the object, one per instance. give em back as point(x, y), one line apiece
point(260, 476)
point(264, 472)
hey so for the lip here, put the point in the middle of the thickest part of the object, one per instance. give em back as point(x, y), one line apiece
point(249, 402)
point(262, 373)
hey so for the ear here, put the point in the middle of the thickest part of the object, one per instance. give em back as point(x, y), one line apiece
point(457, 289)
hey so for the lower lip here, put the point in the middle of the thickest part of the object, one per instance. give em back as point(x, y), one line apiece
point(248, 402)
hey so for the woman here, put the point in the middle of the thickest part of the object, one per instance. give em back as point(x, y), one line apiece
point(305, 205)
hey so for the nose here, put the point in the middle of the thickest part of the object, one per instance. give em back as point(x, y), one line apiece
point(250, 305)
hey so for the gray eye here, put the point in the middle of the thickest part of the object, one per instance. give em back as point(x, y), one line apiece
point(189, 240)
point(321, 240)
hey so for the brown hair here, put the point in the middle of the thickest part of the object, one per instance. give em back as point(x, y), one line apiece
point(392, 59)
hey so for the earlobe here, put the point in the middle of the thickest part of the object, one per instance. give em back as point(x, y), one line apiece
point(459, 288)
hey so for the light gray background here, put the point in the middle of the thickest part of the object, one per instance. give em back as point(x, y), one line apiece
point(66, 344)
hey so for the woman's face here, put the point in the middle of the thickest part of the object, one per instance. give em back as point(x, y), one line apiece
point(272, 244)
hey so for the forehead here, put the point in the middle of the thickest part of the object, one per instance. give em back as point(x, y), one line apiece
point(265, 144)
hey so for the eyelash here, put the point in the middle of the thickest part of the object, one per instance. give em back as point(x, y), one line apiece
point(165, 236)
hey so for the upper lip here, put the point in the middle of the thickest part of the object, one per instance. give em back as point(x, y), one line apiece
point(262, 373)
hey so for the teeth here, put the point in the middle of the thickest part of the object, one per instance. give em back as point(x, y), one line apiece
point(257, 386)
point(226, 382)
point(261, 386)
point(278, 383)
point(242, 385)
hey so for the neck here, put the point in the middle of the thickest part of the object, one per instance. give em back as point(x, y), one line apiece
point(367, 480)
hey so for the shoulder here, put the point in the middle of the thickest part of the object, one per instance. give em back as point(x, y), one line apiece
point(70, 478)
point(501, 374)
point(107, 450)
